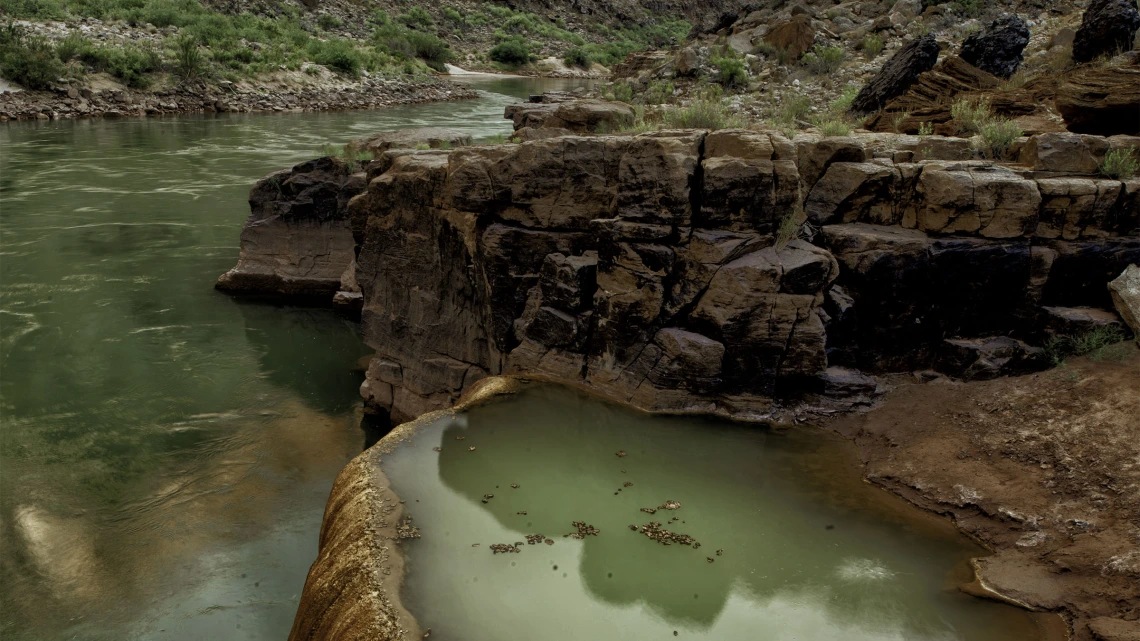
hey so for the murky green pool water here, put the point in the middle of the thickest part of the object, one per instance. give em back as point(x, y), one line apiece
point(793, 545)
point(166, 451)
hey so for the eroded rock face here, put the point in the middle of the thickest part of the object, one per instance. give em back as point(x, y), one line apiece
point(1107, 27)
point(997, 50)
point(297, 241)
point(1102, 101)
point(897, 75)
point(648, 267)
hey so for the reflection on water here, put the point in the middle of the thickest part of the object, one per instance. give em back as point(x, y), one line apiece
point(165, 451)
point(800, 547)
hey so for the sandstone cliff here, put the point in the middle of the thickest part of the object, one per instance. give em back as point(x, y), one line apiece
point(652, 267)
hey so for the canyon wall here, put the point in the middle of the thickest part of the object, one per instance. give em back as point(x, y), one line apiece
point(695, 271)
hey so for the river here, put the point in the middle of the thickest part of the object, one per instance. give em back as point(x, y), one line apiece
point(166, 450)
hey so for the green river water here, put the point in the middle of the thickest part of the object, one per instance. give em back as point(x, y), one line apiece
point(166, 451)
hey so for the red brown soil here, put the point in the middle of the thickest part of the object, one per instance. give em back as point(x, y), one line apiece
point(1044, 469)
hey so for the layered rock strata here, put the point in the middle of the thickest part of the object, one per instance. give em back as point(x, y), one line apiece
point(689, 271)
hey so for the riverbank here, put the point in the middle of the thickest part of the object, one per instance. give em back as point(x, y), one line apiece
point(1040, 468)
point(283, 91)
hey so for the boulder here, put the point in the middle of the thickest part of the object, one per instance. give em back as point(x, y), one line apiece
point(1107, 27)
point(1064, 152)
point(691, 353)
point(795, 36)
point(1103, 101)
point(579, 116)
point(987, 358)
point(434, 137)
point(297, 241)
point(1075, 321)
point(1125, 292)
point(997, 50)
point(897, 75)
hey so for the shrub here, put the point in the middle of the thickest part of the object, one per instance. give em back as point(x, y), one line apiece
point(834, 127)
point(794, 108)
point(1093, 342)
point(337, 54)
point(453, 16)
point(577, 57)
point(32, 9)
point(823, 60)
point(430, 49)
point(660, 92)
point(872, 44)
point(72, 47)
point(731, 71)
point(970, 114)
point(997, 135)
point(188, 61)
point(417, 18)
point(622, 92)
point(513, 52)
point(30, 61)
point(1120, 164)
point(701, 114)
point(380, 18)
point(328, 21)
point(789, 228)
point(926, 129)
point(843, 103)
point(969, 8)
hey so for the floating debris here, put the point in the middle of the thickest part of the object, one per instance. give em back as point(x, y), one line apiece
point(670, 505)
point(474, 545)
point(627, 484)
point(522, 512)
point(549, 541)
point(471, 449)
point(709, 559)
point(488, 496)
point(633, 527)
point(623, 471)
point(621, 453)
point(720, 552)
point(515, 485)
point(437, 449)
point(654, 531)
point(460, 438)
point(405, 529)
point(532, 539)
point(427, 633)
point(696, 545)
point(584, 530)
point(503, 548)
point(649, 510)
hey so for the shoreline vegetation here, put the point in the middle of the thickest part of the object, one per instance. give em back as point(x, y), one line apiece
point(179, 56)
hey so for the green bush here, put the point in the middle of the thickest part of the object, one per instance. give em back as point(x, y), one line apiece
point(451, 15)
point(997, 135)
point(843, 103)
point(834, 127)
point(577, 57)
point(660, 92)
point(622, 92)
point(969, 8)
point(379, 18)
point(701, 114)
point(872, 44)
point(327, 21)
point(30, 61)
point(512, 52)
point(417, 18)
point(730, 71)
point(32, 9)
point(795, 108)
point(72, 47)
point(433, 51)
point(337, 54)
point(823, 60)
point(969, 114)
point(1120, 164)
point(1093, 342)
point(188, 61)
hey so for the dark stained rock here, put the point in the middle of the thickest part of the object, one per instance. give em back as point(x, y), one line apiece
point(897, 75)
point(997, 50)
point(1107, 27)
point(841, 382)
point(568, 282)
point(1075, 321)
point(988, 358)
point(1082, 270)
point(1103, 101)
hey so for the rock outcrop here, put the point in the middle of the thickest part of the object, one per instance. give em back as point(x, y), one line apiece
point(658, 268)
point(1107, 27)
point(897, 75)
point(997, 50)
point(795, 36)
point(572, 116)
point(1103, 101)
point(1125, 291)
point(297, 241)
